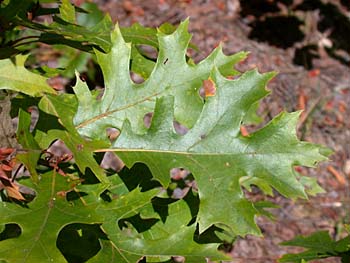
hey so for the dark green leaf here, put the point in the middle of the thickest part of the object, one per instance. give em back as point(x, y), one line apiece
point(64, 107)
point(42, 221)
point(319, 245)
point(31, 147)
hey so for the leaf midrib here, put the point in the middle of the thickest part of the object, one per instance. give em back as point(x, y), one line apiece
point(22, 81)
point(190, 153)
point(100, 116)
point(42, 226)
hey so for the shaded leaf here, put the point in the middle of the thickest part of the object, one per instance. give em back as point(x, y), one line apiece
point(161, 240)
point(91, 17)
point(32, 150)
point(43, 218)
point(137, 34)
point(41, 222)
point(319, 245)
point(64, 108)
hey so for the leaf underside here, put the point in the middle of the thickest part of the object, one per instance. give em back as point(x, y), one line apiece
point(213, 149)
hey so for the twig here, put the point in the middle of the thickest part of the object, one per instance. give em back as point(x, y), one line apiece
point(341, 179)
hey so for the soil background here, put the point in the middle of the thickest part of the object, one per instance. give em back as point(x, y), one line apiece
point(314, 76)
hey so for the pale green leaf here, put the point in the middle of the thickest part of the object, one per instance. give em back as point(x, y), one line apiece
point(67, 11)
point(213, 150)
point(311, 186)
point(171, 75)
point(14, 76)
point(251, 116)
point(218, 156)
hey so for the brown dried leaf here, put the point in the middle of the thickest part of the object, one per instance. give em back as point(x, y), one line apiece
point(11, 188)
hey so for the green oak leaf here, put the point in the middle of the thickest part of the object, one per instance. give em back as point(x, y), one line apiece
point(11, 9)
point(108, 253)
point(49, 212)
point(319, 245)
point(127, 245)
point(41, 221)
point(72, 60)
point(140, 64)
point(171, 75)
point(67, 11)
point(248, 181)
point(86, 30)
point(64, 108)
point(251, 116)
point(32, 150)
point(311, 186)
point(91, 15)
point(16, 77)
point(161, 241)
point(158, 242)
point(218, 155)
point(138, 34)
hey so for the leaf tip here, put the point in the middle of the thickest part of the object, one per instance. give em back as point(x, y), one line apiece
point(116, 35)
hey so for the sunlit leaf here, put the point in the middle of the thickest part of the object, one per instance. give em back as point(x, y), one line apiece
point(171, 75)
point(14, 76)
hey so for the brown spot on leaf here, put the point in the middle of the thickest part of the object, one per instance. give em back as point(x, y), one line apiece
point(209, 87)
point(112, 133)
point(61, 193)
point(244, 131)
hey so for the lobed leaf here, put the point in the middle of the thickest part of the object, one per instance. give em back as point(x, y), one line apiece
point(319, 245)
point(213, 149)
point(41, 221)
point(172, 75)
point(16, 77)
point(63, 107)
point(218, 156)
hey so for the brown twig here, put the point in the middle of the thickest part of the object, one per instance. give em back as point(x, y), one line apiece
point(341, 178)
